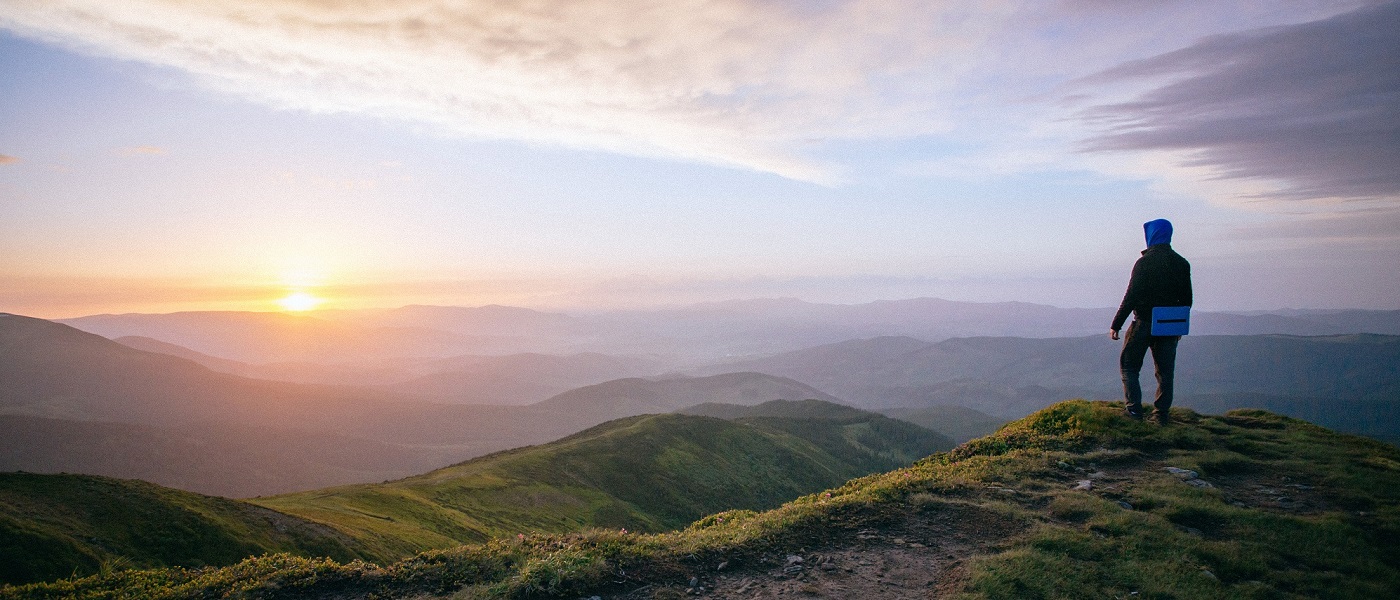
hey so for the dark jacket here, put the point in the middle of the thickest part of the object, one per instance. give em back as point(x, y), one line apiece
point(1160, 278)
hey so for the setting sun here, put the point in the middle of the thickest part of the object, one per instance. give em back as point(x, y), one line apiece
point(300, 301)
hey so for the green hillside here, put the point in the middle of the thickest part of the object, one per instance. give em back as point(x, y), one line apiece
point(881, 442)
point(647, 473)
point(957, 422)
point(59, 525)
point(1074, 501)
point(796, 409)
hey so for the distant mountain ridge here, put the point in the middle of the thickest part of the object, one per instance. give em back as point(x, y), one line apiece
point(216, 458)
point(105, 405)
point(518, 379)
point(1008, 377)
point(633, 396)
point(512, 379)
point(54, 371)
point(686, 336)
point(262, 337)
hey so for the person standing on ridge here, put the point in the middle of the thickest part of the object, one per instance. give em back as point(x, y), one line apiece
point(1161, 278)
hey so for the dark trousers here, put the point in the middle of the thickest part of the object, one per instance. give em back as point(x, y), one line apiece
point(1135, 346)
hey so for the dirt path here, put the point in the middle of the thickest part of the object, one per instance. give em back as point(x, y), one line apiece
point(920, 557)
point(924, 553)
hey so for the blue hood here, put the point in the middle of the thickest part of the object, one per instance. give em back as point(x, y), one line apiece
point(1158, 232)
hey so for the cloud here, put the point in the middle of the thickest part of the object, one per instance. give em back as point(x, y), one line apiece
point(136, 150)
point(6, 159)
point(1377, 224)
point(733, 82)
point(778, 87)
point(1312, 107)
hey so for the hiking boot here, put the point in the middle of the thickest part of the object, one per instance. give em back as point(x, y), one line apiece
point(1161, 417)
point(1132, 412)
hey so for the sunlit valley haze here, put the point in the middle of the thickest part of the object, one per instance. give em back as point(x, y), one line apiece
point(268, 156)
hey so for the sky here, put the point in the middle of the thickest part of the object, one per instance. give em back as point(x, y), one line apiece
point(165, 155)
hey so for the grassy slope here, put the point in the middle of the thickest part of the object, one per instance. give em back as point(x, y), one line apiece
point(59, 525)
point(1174, 541)
point(957, 422)
point(646, 473)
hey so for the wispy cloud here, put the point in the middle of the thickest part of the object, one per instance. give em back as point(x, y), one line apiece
point(1313, 107)
point(6, 159)
point(780, 86)
point(138, 150)
point(734, 82)
point(1368, 224)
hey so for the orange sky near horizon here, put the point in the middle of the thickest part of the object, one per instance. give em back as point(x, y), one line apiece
point(161, 156)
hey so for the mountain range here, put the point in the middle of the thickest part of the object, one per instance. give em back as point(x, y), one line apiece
point(1345, 381)
point(681, 338)
point(557, 423)
point(238, 436)
point(77, 402)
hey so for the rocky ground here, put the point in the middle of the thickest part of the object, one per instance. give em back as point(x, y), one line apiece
point(922, 556)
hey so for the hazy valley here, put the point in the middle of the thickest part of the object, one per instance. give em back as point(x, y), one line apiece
point(244, 404)
point(382, 434)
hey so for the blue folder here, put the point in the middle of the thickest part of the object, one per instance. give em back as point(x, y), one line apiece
point(1171, 320)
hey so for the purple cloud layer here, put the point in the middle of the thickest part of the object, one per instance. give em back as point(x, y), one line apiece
point(1315, 106)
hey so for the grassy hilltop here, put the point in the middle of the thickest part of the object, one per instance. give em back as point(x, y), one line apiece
point(1072, 501)
point(646, 473)
point(55, 526)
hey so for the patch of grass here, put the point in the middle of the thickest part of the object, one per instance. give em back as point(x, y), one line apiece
point(647, 473)
point(1177, 540)
point(59, 525)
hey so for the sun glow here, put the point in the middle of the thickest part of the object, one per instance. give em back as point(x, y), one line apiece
point(300, 302)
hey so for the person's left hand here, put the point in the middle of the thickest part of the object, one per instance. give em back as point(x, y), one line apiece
point(1113, 334)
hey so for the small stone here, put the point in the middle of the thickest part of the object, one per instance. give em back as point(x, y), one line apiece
point(1098, 475)
point(1062, 464)
point(1181, 473)
point(1209, 575)
point(899, 541)
point(1084, 484)
point(1125, 505)
point(1200, 483)
point(694, 582)
point(794, 559)
point(916, 545)
point(722, 565)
